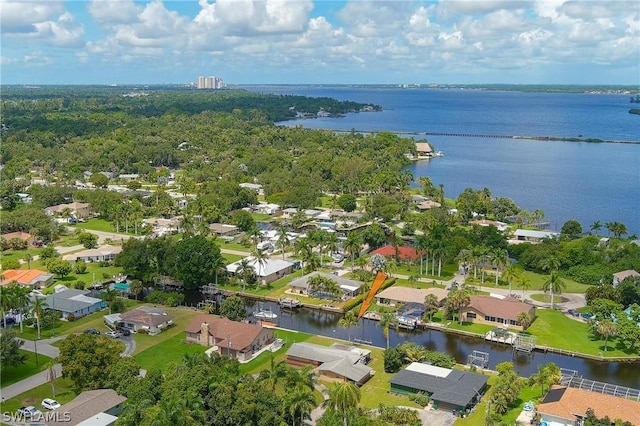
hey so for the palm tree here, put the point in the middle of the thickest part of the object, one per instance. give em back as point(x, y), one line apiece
point(457, 299)
point(255, 235)
point(500, 260)
point(525, 283)
point(109, 295)
point(349, 320)
point(28, 258)
point(343, 397)
point(352, 246)
point(261, 259)
point(272, 376)
point(6, 302)
point(554, 284)
point(431, 305)
point(283, 240)
point(135, 288)
point(243, 267)
point(422, 245)
point(300, 402)
point(551, 263)
point(511, 274)
point(38, 307)
point(52, 375)
point(524, 320)
point(596, 226)
point(540, 378)
point(21, 301)
point(388, 319)
point(606, 328)
point(414, 353)
point(302, 247)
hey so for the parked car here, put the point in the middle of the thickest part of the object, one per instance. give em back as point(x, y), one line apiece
point(50, 404)
point(112, 334)
point(574, 312)
point(30, 412)
point(91, 331)
point(7, 320)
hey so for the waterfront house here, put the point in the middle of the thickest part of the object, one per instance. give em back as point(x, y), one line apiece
point(618, 277)
point(427, 205)
point(495, 311)
point(269, 271)
point(75, 210)
point(161, 226)
point(448, 389)
point(223, 230)
point(268, 208)
point(532, 236)
point(397, 295)
point(98, 407)
point(101, 254)
point(289, 212)
point(501, 226)
point(567, 406)
point(424, 150)
point(74, 302)
point(348, 286)
point(405, 253)
point(333, 363)
point(146, 319)
point(32, 278)
point(230, 338)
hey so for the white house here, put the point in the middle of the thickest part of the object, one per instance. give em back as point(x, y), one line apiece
point(269, 271)
point(103, 253)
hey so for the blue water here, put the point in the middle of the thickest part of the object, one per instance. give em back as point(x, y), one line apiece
point(566, 180)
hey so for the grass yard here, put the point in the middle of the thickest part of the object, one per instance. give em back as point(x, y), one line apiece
point(230, 258)
point(232, 246)
point(546, 298)
point(554, 329)
point(97, 224)
point(181, 318)
point(63, 394)
point(263, 361)
point(536, 282)
point(11, 375)
point(167, 353)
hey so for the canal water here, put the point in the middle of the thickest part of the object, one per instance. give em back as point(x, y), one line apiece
point(325, 323)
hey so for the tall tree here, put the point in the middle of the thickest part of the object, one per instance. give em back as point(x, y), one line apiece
point(10, 355)
point(431, 305)
point(457, 299)
point(606, 328)
point(344, 397)
point(387, 321)
point(283, 240)
point(352, 246)
point(554, 284)
point(349, 320)
point(38, 307)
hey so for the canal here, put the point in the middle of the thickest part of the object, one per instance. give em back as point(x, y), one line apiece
point(325, 323)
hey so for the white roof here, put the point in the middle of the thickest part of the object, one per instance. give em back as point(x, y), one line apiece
point(431, 370)
point(100, 419)
point(349, 287)
point(534, 234)
point(271, 266)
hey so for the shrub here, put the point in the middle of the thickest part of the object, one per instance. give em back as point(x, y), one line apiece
point(79, 285)
point(81, 268)
point(392, 360)
point(420, 398)
point(71, 317)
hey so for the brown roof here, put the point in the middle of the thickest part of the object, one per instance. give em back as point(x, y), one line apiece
point(146, 316)
point(24, 236)
point(423, 147)
point(240, 333)
point(566, 403)
point(508, 308)
point(404, 252)
point(408, 295)
point(624, 274)
point(87, 405)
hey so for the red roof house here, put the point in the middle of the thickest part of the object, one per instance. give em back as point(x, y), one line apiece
point(404, 252)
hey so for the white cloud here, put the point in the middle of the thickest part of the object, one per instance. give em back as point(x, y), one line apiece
point(21, 16)
point(63, 33)
point(113, 12)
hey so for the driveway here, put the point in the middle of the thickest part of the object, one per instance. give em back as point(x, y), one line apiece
point(129, 345)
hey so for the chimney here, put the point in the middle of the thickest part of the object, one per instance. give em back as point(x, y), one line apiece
point(204, 334)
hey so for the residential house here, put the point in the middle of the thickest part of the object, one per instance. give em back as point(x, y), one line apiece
point(403, 252)
point(427, 205)
point(348, 286)
point(448, 389)
point(253, 186)
point(146, 319)
point(269, 271)
point(618, 277)
point(24, 198)
point(532, 236)
point(567, 406)
point(268, 208)
point(289, 212)
point(101, 254)
point(230, 338)
point(98, 407)
point(76, 210)
point(75, 302)
point(501, 226)
point(161, 226)
point(24, 236)
point(424, 150)
point(32, 278)
point(223, 230)
point(337, 363)
point(494, 311)
point(129, 176)
point(396, 295)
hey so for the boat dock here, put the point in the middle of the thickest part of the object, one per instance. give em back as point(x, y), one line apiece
point(500, 335)
point(290, 303)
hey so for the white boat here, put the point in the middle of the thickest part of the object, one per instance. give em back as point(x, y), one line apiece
point(265, 313)
point(439, 154)
point(406, 323)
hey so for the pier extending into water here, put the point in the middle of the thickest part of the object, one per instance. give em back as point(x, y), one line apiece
point(493, 136)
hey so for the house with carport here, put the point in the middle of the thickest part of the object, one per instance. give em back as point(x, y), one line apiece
point(103, 253)
point(349, 287)
point(74, 302)
point(448, 389)
point(146, 319)
point(497, 312)
point(333, 363)
point(267, 272)
point(229, 338)
point(398, 295)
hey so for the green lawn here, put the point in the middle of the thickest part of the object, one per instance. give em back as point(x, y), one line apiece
point(230, 258)
point(20, 254)
point(63, 394)
point(181, 318)
point(536, 282)
point(97, 224)
point(167, 353)
point(12, 375)
point(232, 246)
point(553, 328)
point(546, 298)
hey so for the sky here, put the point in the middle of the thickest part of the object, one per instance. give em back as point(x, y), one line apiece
point(320, 41)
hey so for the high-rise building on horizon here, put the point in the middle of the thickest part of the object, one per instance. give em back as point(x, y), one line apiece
point(210, 82)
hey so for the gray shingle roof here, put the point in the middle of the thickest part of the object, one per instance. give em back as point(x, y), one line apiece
point(457, 388)
point(71, 300)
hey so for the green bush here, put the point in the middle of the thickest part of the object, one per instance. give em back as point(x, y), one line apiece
point(81, 268)
point(420, 398)
point(71, 317)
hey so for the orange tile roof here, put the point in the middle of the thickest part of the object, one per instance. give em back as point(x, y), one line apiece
point(22, 276)
point(403, 252)
point(567, 403)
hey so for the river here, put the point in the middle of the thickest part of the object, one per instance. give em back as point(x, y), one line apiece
point(323, 323)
